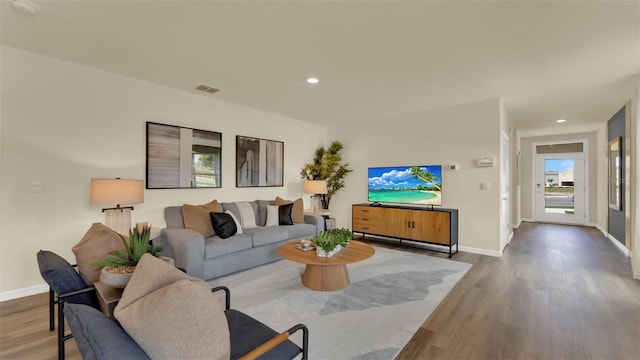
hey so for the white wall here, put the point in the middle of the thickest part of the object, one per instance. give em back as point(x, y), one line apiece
point(63, 124)
point(455, 135)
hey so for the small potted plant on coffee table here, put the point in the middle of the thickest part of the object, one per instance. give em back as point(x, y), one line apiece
point(118, 265)
point(328, 243)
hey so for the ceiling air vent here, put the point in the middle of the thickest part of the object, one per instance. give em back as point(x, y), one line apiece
point(209, 89)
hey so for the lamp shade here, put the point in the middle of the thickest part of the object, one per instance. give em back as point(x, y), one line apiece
point(315, 187)
point(116, 191)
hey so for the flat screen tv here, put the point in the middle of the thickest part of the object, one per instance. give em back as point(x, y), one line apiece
point(419, 185)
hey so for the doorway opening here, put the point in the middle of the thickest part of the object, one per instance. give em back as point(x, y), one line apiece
point(560, 184)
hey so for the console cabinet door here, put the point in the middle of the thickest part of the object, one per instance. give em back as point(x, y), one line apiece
point(400, 223)
point(432, 226)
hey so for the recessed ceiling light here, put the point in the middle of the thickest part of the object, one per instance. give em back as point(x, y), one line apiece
point(312, 80)
point(561, 120)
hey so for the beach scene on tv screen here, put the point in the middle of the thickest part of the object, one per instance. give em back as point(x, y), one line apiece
point(406, 184)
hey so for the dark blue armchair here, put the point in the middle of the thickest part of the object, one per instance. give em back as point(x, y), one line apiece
point(100, 337)
point(65, 286)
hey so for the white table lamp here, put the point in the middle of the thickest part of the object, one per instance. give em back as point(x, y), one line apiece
point(315, 188)
point(117, 191)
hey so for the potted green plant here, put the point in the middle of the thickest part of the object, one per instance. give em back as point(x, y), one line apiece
point(328, 243)
point(118, 265)
point(327, 165)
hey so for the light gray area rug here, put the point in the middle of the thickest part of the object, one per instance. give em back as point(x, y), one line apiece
point(390, 296)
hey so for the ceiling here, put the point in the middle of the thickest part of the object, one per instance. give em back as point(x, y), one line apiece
point(375, 60)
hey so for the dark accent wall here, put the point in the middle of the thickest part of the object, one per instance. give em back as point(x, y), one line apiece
point(616, 217)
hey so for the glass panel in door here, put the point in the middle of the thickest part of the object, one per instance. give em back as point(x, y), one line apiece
point(559, 186)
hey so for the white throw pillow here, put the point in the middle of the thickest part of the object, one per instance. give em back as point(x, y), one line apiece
point(273, 215)
point(236, 221)
point(247, 215)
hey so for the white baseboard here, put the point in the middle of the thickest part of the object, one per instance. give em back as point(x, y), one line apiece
point(509, 238)
point(527, 220)
point(28, 291)
point(615, 241)
point(480, 251)
point(619, 245)
point(597, 226)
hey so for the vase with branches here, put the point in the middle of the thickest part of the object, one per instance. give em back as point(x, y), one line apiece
point(327, 165)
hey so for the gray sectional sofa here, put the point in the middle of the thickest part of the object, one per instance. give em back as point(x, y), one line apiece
point(214, 257)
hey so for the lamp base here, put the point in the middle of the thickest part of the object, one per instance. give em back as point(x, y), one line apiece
point(316, 203)
point(119, 220)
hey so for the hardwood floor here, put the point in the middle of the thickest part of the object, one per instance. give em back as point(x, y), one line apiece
point(559, 292)
point(24, 330)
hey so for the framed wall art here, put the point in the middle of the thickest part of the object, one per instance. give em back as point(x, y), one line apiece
point(259, 162)
point(615, 188)
point(181, 157)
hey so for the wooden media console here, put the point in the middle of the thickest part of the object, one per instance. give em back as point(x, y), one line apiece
point(433, 226)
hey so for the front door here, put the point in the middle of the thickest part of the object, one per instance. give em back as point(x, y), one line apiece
point(559, 188)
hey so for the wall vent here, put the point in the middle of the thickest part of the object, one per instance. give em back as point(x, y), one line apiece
point(208, 89)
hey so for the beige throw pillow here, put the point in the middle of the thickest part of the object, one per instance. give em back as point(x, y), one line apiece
point(171, 315)
point(196, 217)
point(96, 243)
point(297, 212)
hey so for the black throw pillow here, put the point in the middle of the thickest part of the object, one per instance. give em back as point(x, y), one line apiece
point(284, 214)
point(223, 224)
